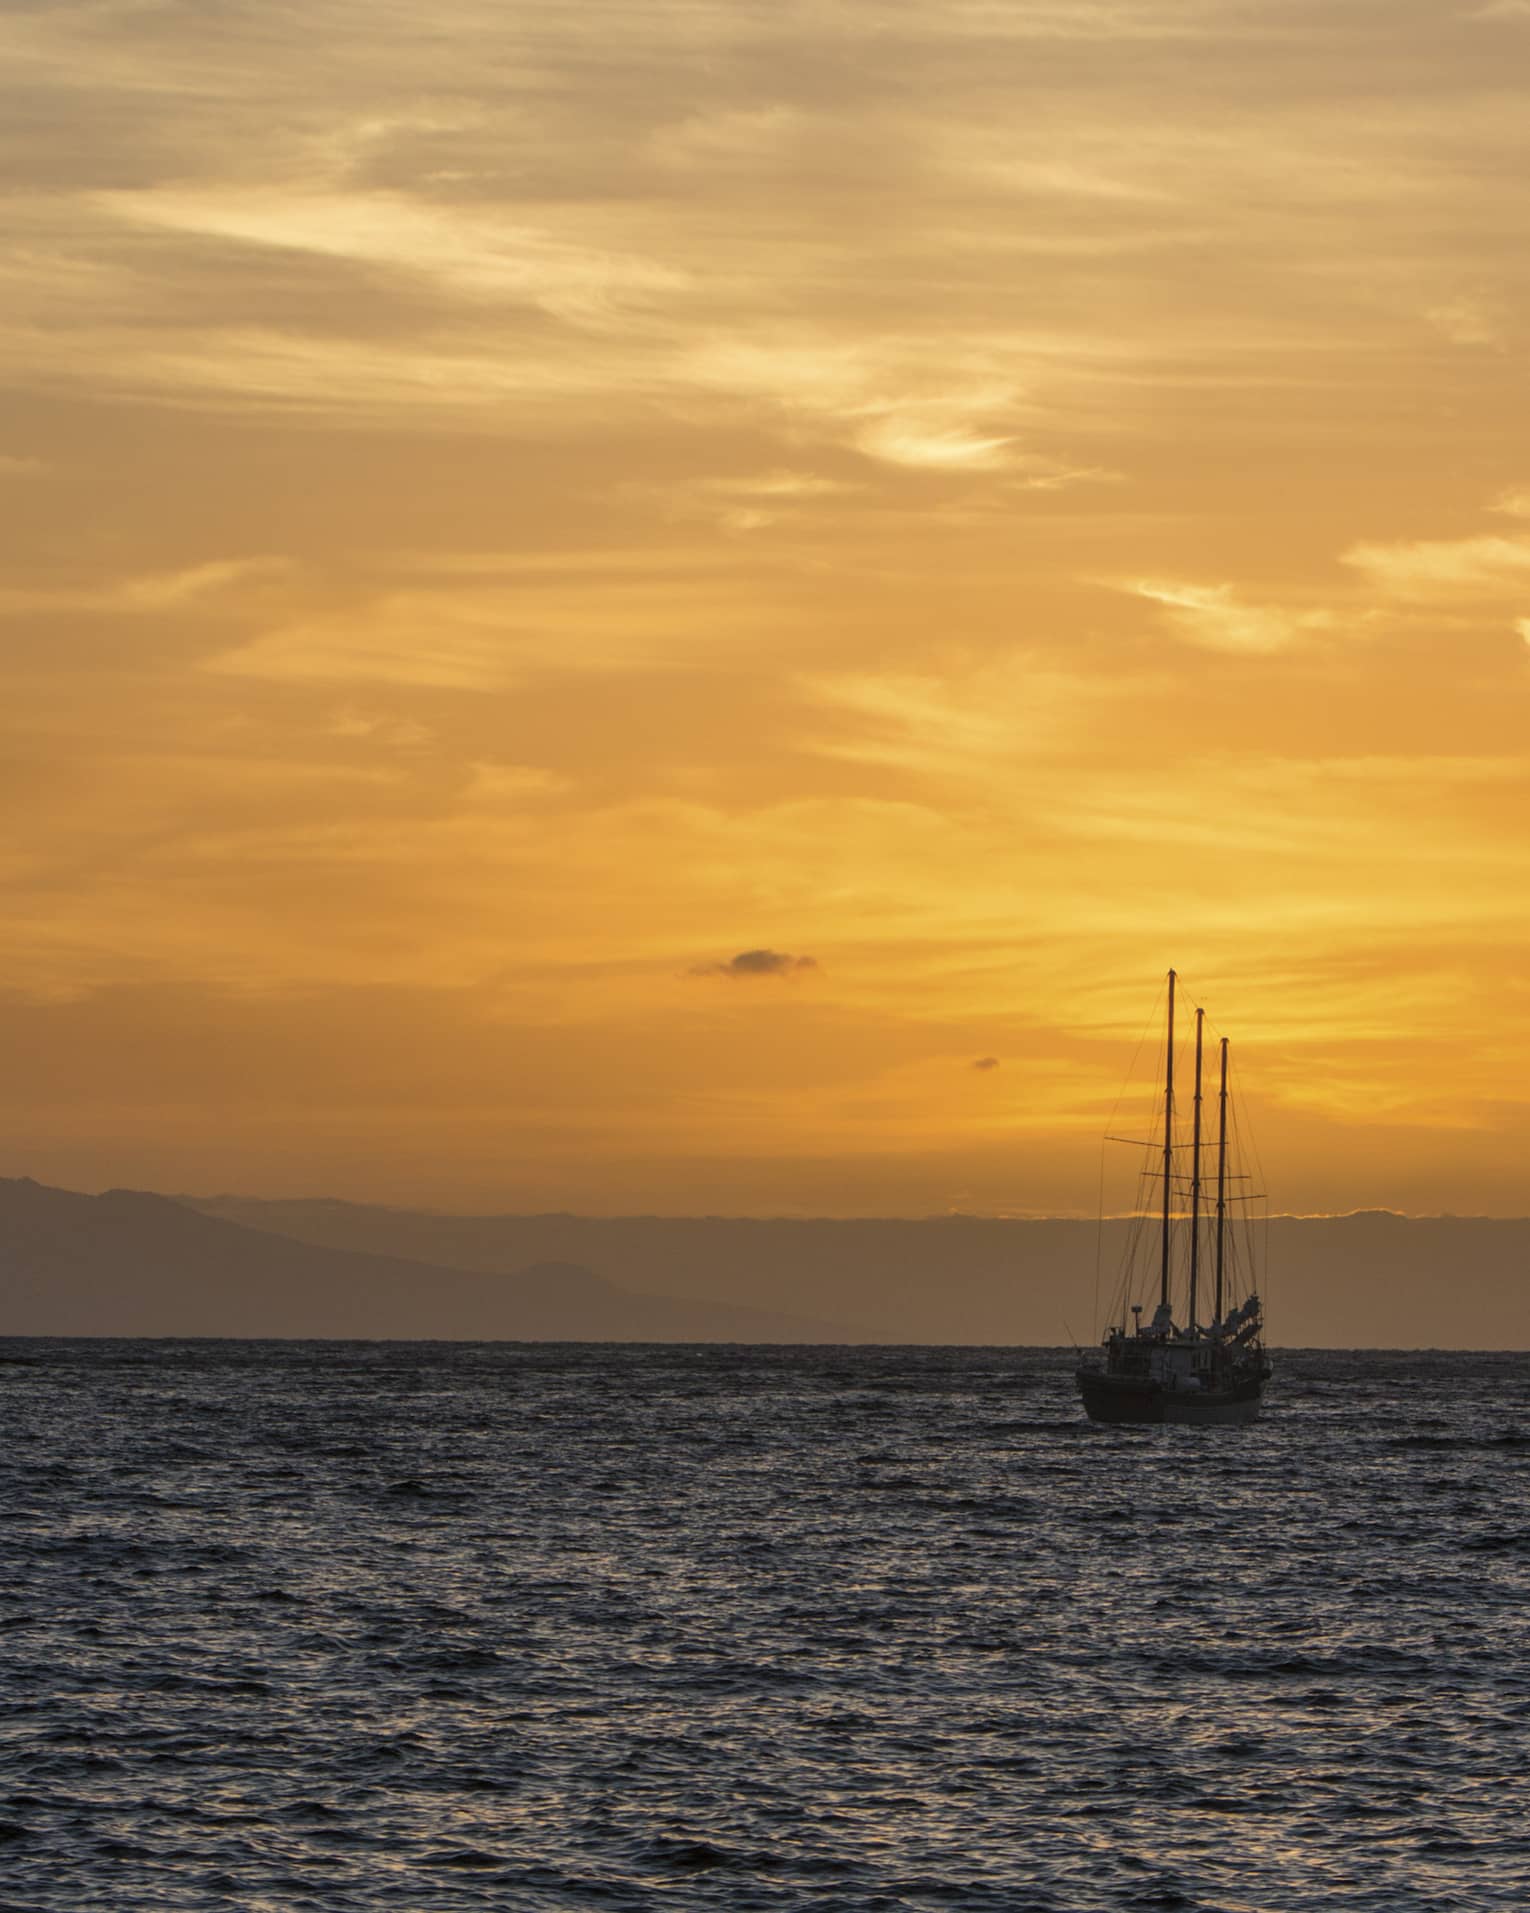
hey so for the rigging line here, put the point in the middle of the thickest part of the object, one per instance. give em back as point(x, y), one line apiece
point(1110, 1121)
point(1187, 991)
point(1256, 1226)
point(1264, 1218)
point(1151, 1142)
point(1099, 1252)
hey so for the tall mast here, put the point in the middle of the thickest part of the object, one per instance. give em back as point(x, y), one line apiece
point(1195, 1176)
point(1168, 1149)
point(1221, 1175)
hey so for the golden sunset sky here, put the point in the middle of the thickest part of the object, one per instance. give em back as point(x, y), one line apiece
point(510, 507)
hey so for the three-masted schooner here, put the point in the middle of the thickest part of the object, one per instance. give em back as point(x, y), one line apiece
point(1188, 1371)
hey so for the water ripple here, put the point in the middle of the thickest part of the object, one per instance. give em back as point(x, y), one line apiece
point(559, 1628)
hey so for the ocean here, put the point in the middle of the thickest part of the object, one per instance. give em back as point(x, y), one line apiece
point(449, 1627)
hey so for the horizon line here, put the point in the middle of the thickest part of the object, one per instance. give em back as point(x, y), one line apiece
point(741, 1215)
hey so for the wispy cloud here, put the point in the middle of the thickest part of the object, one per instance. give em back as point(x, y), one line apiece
point(1470, 321)
point(466, 632)
point(906, 441)
point(228, 583)
point(1217, 617)
point(1441, 569)
point(961, 724)
point(467, 250)
point(515, 783)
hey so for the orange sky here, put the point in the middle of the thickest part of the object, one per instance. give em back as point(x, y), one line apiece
point(507, 509)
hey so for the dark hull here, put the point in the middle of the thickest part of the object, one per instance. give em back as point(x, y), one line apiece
point(1124, 1398)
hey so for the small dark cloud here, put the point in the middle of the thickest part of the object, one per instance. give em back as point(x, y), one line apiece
point(986, 1062)
point(758, 963)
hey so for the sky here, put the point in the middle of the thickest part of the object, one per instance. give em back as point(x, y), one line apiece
point(682, 607)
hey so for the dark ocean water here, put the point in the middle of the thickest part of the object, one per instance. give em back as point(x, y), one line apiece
point(406, 1626)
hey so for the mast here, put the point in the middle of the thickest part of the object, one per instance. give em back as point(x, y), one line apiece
point(1168, 1150)
point(1195, 1177)
point(1221, 1175)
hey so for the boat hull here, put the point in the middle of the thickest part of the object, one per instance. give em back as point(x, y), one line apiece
point(1125, 1398)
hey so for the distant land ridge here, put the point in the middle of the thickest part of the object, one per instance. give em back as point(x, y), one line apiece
point(133, 1263)
point(1374, 1279)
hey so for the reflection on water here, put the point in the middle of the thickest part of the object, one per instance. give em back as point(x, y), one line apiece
point(534, 1628)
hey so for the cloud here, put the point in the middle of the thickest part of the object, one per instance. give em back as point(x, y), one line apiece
point(513, 783)
point(443, 627)
point(748, 501)
point(986, 1062)
point(1469, 322)
point(1010, 705)
point(1046, 475)
point(220, 581)
point(753, 963)
point(781, 483)
point(1486, 566)
point(404, 733)
point(900, 441)
point(1488, 570)
point(462, 249)
point(1214, 616)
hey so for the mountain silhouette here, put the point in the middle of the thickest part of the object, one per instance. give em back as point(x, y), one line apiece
point(132, 1263)
point(1369, 1280)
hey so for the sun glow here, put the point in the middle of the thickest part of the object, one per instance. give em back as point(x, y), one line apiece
point(508, 521)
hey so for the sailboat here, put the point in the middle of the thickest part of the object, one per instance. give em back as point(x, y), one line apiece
point(1184, 1370)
